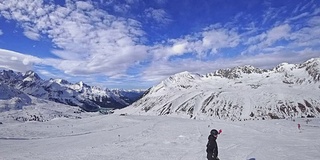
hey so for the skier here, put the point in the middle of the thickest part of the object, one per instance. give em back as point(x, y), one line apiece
point(212, 147)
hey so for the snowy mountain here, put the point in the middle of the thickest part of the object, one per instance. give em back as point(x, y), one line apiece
point(11, 98)
point(240, 93)
point(89, 98)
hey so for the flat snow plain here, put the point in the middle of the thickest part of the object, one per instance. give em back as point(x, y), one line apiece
point(114, 137)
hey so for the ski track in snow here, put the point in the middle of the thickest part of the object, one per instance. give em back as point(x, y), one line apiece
point(130, 137)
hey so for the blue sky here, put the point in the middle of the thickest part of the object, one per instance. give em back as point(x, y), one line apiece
point(134, 44)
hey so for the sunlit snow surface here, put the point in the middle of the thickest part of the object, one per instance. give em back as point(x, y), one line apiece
point(115, 137)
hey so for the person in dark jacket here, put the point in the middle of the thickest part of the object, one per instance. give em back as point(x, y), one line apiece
point(212, 147)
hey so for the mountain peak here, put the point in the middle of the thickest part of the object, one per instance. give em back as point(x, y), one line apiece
point(312, 66)
point(10, 74)
point(82, 84)
point(249, 69)
point(31, 76)
point(61, 81)
point(236, 72)
point(282, 67)
point(183, 76)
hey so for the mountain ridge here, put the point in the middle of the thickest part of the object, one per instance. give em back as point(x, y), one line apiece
point(239, 93)
point(88, 98)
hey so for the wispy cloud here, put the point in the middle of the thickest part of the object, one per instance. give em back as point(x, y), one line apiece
point(268, 38)
point(122, 7)
point(302, 15)
point(307, 36)
point(158, 15)
point(271, 15)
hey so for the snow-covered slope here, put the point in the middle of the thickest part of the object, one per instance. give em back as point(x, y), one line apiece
point(114, 137)
point(15, 105)
point(35, 109)
point(288, 90)
point(89, 98)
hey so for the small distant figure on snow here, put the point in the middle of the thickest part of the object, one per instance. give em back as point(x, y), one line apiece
point(299, 126)
point(308, 120)
point(212, 147)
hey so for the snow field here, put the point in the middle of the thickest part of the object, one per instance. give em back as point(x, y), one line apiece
point(114, 137)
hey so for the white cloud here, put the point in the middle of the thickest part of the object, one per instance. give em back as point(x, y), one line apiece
point(266, 39)
point(270, 15)
point(1, 33)
point(255, 39)
point(124, 8)
point(307, 36)
point(316, 11)
point(84, 5)
point(31, 34)
point(158, 15)
point(215, 39)
point(314, 21)
point(277, 33)
point(17, 61)
point(300, 16)
point(179, 48)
